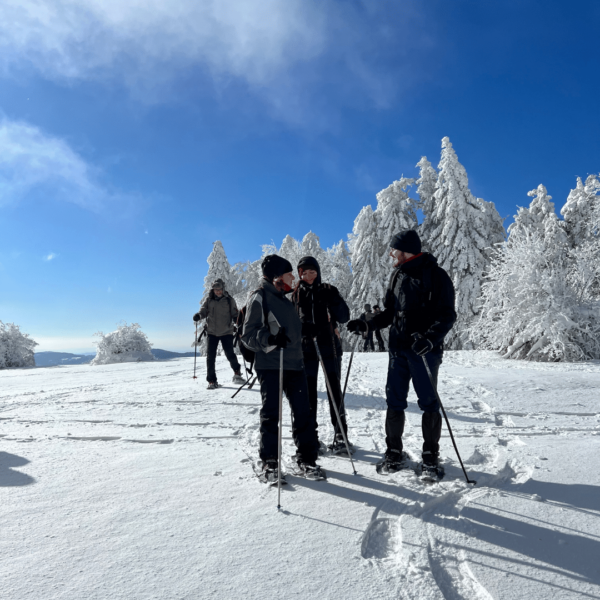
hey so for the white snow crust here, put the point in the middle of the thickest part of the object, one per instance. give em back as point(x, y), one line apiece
point(132, 481)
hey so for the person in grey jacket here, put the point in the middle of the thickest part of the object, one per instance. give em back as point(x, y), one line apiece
point(220, 311)
point(271, 325)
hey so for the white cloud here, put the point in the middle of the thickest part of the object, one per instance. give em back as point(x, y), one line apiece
point(31, 159)
point(292, 53)
point(50, 256)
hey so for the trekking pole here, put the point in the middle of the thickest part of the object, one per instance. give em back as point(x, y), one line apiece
point(447, 421)
point(280, 428)
point(195, 349)
point(245, 382)
point(347, 375)
point(337, 412)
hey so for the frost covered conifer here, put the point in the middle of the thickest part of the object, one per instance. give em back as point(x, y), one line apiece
point(396, 211)
point(16, 348)
point(127, 344)
point(426, 185)
point(339, 269)
point(532, 308)
point(368, 282)
point(581, 212)
point(218, 268)
point(460, 235)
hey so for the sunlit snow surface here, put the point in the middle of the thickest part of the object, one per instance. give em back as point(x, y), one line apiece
point(133, 481)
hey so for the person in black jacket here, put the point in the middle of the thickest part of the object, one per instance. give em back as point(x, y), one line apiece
point(320, 308)
point(271, 324)
point(419, 300)
point(367, 317)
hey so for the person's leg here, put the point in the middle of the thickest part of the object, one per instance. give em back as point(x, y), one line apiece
point(334, 382)
point(370, 339)
point(431, 422)
point(269, 414)
point(211, 355)
point(396, 391)
point(311, 368)
point(227, 342)
point(380, 341)
point(303, 432)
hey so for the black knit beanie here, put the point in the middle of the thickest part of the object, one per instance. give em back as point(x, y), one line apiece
point(274, 266)
point(309, 262)
point(407, 241)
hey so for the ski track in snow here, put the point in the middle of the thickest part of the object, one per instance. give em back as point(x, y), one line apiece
point(449, 540)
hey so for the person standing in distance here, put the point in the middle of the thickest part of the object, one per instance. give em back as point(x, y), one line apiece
point(367, 316)
point(272, 324)
point(220, 311)
point(419, 300)
point(377, 311)
point(320, 307)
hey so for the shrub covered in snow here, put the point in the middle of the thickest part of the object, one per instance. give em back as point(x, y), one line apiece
point(16, 348)
point(126, 344)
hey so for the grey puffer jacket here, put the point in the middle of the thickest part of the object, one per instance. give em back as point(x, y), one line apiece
point(268, 310)
point(220, 314)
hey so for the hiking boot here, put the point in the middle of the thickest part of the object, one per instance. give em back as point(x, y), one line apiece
point(339, 446)
point(212, 385)
point(310, 470)
point(238, 379)
point(393, 461)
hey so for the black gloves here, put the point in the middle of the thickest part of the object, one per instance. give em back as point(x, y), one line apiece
point(357, 326)
point(309, 330)
point(280, 340)
point(196, 317)
point(421, 345)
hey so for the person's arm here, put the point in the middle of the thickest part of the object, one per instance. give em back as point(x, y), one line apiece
point(442, 307)
point(338, 309)
point(255, 334)
point(204, 309)
point(234, 310)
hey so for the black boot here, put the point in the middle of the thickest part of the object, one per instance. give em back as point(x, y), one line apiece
point(431, 425)
point(394, 428)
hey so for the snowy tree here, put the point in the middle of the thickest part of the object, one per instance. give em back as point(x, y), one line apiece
point(460, 236)
point(368, 281)
point(540, 217)
point(127, 344)
point(581, 212)
point(218, 268)
point(532, 306)
point(340, 271)
point(426, 186)
point(16, 348)
point(291, 249)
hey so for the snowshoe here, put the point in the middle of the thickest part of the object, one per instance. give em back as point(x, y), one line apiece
point(431, 473)
point(393, 461)
point(307, 470)
point(338, 447)
point(267, 472)
point(238, 379)
point(213, 385)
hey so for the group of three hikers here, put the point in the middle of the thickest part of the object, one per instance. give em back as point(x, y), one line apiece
point(419, 309)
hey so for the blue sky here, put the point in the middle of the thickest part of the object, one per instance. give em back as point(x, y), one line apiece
point(133, 134)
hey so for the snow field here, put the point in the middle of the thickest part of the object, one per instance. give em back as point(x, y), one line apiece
point(134, 481)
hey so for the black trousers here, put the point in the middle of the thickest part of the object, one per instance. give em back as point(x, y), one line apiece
point(369, 342)
point(332, 368)
point(303, 432)
point(211, 355)
point(380, 340)
point(404, 366)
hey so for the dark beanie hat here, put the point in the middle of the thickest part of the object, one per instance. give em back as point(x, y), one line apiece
point(407, 241)
point(309, 262)
point(274, 266)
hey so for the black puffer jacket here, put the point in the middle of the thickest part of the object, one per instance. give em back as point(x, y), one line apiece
point(321, 304)
point(419, 299)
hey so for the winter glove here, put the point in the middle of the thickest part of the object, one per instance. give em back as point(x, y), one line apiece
point(280, 340)
point(309, 330)
point(196, 317)
point(357, 326)
point(421, 345)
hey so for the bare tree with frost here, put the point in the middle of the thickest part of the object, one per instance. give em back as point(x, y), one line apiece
point(16, 348)
point(460, 236)
point(127, 344)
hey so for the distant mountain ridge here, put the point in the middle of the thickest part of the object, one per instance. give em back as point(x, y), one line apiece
point(52, 359)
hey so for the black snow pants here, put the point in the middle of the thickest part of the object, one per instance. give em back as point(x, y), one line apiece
point(369, 342)
point(332, 368)
point(211, 355)
point(380, 340)
point(295, 390)
point(405, 365)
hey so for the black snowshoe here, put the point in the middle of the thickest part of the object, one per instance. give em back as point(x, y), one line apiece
point(311, 471)
point(268, 472)
point(431, 471)
point(393, 461)
point(338, 446)
point(213, 385)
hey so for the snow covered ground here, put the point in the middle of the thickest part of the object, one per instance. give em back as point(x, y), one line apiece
point(133, 481)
